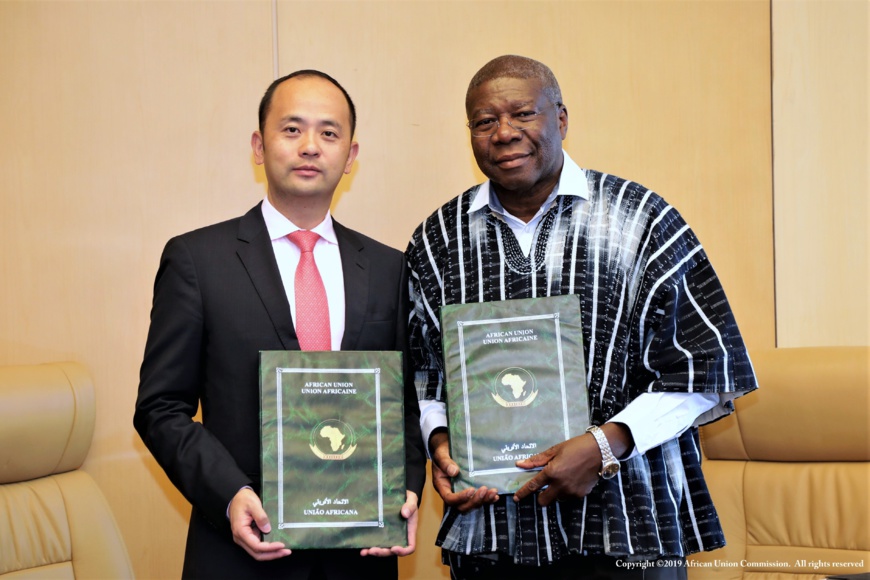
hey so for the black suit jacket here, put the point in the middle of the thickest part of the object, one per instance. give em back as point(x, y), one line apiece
point(218, 301)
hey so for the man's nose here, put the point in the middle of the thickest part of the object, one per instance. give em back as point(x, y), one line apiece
point(308, 145)
point(505, 131)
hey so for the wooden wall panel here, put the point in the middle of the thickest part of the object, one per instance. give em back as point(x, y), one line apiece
point(821, 172)
point(123, 123)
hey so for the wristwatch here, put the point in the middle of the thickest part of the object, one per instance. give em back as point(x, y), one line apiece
point(609, 463)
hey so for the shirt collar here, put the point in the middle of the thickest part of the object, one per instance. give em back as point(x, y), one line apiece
point(572, 181)
point(279, 226)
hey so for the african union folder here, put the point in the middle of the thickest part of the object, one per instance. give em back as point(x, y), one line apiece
point(516, 385)
point(333, 448)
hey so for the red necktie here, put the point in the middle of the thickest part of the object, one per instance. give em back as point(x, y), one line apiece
point(312, 310)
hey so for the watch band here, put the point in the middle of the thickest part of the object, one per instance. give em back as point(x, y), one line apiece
point(607, 457)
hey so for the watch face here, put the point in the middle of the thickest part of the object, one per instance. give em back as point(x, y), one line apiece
point(609, 470)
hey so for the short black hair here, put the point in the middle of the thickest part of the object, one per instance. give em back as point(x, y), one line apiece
point(516, 67)
point(266, 101)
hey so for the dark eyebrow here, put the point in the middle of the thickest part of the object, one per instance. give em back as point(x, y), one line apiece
point(291, 119)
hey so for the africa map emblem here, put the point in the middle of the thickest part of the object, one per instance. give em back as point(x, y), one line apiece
point(332, 440)
point(514, 387)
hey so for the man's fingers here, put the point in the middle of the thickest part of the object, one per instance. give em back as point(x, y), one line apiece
point(454, 499)
point(441, 483)
point(540, 459)
point(270, 551)
point(541, 480)
point(533, 485)
point(467, 499)
point(247, 520)
point(444, 462)
point(410, 513)
point(267, 556)
point(261, 520)
point(476, 498)
point(440, 448)
point(262, 551)
point(410, 508)
point(412, 533)
point(464, 500)
point(442, 486)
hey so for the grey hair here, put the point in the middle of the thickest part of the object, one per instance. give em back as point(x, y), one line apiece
point(516, 67)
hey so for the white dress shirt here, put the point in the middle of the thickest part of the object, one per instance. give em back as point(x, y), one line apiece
point(326, 256)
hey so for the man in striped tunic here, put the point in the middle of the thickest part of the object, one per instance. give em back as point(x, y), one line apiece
point(663, 351)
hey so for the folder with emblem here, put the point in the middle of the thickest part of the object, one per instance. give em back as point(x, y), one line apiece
point(333, 448)
point(515, 384)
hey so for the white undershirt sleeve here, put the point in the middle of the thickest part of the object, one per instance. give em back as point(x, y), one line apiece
point(433, 414)
point(654, 418)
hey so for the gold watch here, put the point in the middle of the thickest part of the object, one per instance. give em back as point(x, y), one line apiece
point(609, 462)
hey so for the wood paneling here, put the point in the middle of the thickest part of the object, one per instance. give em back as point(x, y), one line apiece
point(123, 123)
point(821, 172)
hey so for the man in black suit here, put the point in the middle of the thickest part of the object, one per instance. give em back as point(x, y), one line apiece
point(225, 292)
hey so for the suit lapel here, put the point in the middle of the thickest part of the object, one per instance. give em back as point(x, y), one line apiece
point(255, 251)
point(355, 268)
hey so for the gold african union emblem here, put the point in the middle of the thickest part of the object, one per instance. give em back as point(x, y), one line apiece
point(514, 387)
point(332, 440)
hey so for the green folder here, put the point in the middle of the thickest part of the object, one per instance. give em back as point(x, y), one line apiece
point(515, 384)
point(333, 448)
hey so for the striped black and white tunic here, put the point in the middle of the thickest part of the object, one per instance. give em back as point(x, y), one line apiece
point(655, 319)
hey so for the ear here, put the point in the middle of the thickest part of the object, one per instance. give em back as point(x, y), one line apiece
point(351, 156)
point(563, 121)
point(257, 147)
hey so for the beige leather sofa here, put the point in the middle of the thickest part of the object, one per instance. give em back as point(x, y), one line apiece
point(54, 521)
point(789, 470)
